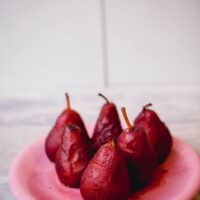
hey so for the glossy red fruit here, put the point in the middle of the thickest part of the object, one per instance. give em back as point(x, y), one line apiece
point(157, 133)
point(141, 158)
point(106, 176)
point(72, 156)
point(54, 137)
point(107, 126)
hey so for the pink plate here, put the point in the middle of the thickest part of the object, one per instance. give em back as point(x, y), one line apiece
point(32, 176)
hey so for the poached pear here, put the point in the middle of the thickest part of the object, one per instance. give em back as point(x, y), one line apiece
point(157, 132)
point(106, 176)
point(107, 125)
point(141, 158)
point(72, 156)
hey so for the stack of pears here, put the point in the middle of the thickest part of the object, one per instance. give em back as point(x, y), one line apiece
point(69, 146)
point(114, 162)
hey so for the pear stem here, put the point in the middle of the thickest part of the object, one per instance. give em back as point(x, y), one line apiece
point(123, 109)
point(147, 105)
point(67, 100)
point(114, 141)
point(101, 95)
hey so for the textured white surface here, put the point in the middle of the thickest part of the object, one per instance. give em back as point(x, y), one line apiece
point(22, 120)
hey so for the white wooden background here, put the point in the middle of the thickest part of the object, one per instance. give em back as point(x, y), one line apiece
point(47, 44)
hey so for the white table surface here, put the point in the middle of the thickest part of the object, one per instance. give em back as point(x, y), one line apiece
point(25, 118)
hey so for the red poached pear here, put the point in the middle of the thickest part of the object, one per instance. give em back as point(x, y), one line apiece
point(140, 157)
point(54, 137)
point(157, 133)
point(72, 156)
point(107, 126)
point(106, 176)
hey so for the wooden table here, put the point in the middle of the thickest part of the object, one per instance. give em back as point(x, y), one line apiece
point(25, 119)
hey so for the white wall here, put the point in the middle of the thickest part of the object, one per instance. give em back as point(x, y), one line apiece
point(154, 41)
point(48, 44)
